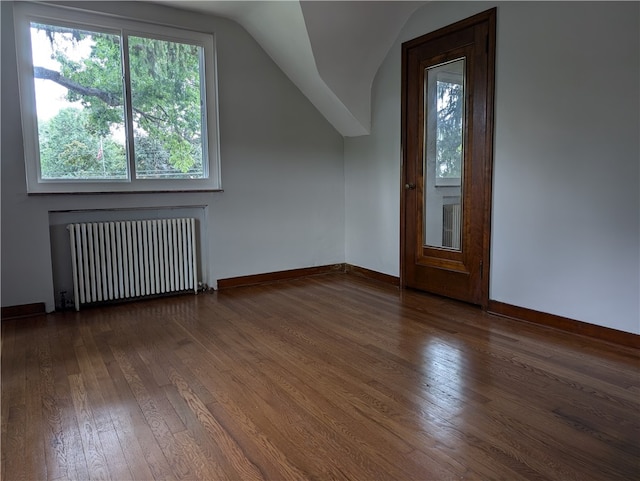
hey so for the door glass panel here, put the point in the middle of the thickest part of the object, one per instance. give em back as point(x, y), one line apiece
point(443, 155)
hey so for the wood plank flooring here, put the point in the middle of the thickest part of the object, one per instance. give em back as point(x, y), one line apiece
point(326, 378)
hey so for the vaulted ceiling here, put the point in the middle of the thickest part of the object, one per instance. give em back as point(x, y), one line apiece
point(331, 50)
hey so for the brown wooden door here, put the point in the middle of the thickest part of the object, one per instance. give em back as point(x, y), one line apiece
point(447, 140)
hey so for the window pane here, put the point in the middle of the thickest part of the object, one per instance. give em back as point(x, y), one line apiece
point(167, 108)
point(443, 155)
point(78, 89)
point(449, 128)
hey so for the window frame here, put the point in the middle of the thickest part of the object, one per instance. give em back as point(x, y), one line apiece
point(25, 13)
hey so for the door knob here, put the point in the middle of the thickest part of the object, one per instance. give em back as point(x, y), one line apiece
point(409, 186)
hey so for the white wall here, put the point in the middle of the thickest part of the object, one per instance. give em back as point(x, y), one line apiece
point(282, 171)
point(566, 221)
point(566, 204)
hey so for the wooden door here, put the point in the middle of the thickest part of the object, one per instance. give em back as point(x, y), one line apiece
point(447, 140)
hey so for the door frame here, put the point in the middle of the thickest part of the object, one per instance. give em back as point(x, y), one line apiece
point(488, 16)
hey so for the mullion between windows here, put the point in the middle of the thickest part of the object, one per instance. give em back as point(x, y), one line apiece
point(128, 102)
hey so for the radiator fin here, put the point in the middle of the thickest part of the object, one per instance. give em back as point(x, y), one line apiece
point(131, 259)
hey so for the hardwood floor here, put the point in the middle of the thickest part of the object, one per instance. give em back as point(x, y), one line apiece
point(330, 377)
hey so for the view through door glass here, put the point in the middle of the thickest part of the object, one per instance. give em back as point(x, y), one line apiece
point(443, 154)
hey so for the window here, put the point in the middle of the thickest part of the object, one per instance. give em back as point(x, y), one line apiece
point(113, 105)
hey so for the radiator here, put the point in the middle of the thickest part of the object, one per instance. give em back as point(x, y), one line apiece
point(130, 259)
point(451, 226)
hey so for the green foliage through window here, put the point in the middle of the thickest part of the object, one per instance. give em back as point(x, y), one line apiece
point(449, 103)
point(80, 98)
point(68, 149)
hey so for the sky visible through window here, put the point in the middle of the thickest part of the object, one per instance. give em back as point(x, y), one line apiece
point(51, 96)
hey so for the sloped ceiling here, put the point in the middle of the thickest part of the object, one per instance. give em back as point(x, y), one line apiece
point(331, 50)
